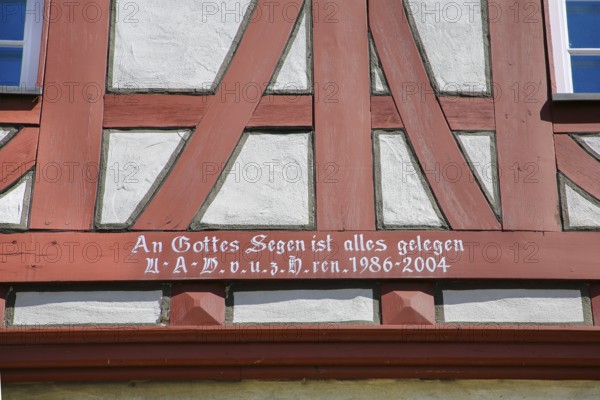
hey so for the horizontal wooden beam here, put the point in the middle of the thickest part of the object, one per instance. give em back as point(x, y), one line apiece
point(301, 354)
point(167, 111)
point(126, 374)
point(462, 113)
point(164, 111)
point(227, 353)
point(273, 255)
point(304, 333)
point(469, 113)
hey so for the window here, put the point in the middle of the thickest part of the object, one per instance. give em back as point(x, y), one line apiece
point(576, 45)
point(20, 39)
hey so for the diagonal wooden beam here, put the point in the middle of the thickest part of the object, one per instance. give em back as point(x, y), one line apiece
point(459, 196)
point(526, 160)
point(18, 156)
point(577, 164)
point(71, 124)
point(185, 189)
point(343, 119)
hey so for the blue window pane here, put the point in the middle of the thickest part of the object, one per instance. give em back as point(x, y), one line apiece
point(12, 19)
point(583, 19)
point(10, 66)
point(586, 74)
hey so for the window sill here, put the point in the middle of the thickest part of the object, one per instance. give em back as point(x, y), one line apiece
point(15, 90)
point(575, 96)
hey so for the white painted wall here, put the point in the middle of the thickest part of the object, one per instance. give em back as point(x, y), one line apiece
point(582, 212)
point(513, 306)
point(452, 36)
point(173, 45)
point(303, 306)
point(134, 161)
point(591, 142)
point(89, 307)
point(406, 199)
point(268, 184)
point(294, 74)
point(478, 147)
point(3, 133)
point(12, 203)
point(378, 82)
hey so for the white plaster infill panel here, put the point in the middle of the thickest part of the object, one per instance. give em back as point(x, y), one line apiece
point(545, 306)
point(294, 73)
point(580, 210)
point(134, 164)
point(591, 143)
point(183, 45)
point(88, 307)
point(4, 132)
point(379, 84)
point(480, 151)
point(454, 39)
point(304, 306)
point(14, 203)
point(267, 183)
point(405, 199)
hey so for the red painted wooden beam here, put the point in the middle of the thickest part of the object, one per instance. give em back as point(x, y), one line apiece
point(529, 195)
point(171, 110)
point(71, 125)
point(343, 117)
point(164, 111)
point(270, 352)
point(81, 257)
point(171, 374)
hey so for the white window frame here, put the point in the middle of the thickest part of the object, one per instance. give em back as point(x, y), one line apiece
point(31, 44)
point(561, 52)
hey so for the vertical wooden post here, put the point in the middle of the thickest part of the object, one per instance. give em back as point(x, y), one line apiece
point(71, 124)
point(343, 146)
point(523, 124)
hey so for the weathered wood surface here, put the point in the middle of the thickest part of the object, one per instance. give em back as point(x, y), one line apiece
point(344, 199)
point(71, 124)
point(526, 161)
point(176, 111)
point(53, 256)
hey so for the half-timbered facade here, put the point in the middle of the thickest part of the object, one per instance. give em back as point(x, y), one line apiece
point(290, 190)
